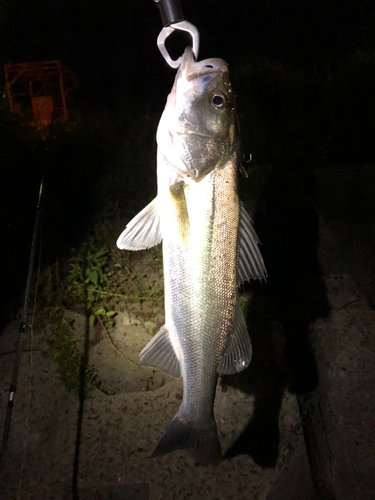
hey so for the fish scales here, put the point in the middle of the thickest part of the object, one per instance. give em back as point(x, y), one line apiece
point(203, 280)
point(209, 249)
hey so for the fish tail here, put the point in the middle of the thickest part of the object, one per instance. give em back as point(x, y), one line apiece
point(202, 443)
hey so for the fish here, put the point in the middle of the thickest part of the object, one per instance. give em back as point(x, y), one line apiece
point(209, 248)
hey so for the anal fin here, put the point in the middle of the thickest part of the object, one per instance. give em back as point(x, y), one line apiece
point(159, 354)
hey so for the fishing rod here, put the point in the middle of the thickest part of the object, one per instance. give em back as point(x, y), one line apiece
point(21, 330)
point(173, 19)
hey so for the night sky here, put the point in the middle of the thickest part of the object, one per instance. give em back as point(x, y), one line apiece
point(111, 46)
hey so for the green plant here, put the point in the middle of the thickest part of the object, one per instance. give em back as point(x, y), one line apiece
point(102, 312)
point(87, 277)
point(97, 280)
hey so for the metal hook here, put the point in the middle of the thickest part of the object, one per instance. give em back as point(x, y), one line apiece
point(168, 30)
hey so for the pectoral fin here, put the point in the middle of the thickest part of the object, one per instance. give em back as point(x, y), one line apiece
point(238, 352)
point(177, 192)
point(250, 262)
point(143, 231)
point(159, 354)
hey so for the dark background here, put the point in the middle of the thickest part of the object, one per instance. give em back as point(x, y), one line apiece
point(303, 70)
point(111, 46)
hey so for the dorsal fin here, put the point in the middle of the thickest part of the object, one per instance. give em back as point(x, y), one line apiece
point(250, 260)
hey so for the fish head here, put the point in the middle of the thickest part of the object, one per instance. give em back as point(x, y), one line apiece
point(198, 132)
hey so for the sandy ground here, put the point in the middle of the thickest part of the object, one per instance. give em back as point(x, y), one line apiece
point(118, 431)
point(101, 449)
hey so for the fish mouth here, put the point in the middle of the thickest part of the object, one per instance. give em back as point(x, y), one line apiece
point(196, 69)
point(204, 72)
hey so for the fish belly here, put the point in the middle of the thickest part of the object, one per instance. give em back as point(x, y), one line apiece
point(200, 228)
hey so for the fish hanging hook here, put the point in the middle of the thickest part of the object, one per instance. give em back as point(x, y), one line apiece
point(173, 19)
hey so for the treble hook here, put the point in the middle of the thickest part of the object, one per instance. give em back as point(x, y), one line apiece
point(173, 19)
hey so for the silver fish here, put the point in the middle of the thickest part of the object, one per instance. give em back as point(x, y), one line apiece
point(209, 249)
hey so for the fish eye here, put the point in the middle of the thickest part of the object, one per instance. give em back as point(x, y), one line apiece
point(218, 101)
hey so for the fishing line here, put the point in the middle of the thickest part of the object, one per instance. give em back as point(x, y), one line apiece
point(21, 329)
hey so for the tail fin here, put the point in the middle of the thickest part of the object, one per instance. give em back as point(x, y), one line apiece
point(201, 443)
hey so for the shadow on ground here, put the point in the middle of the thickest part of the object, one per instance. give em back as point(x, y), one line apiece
point(280, 311)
